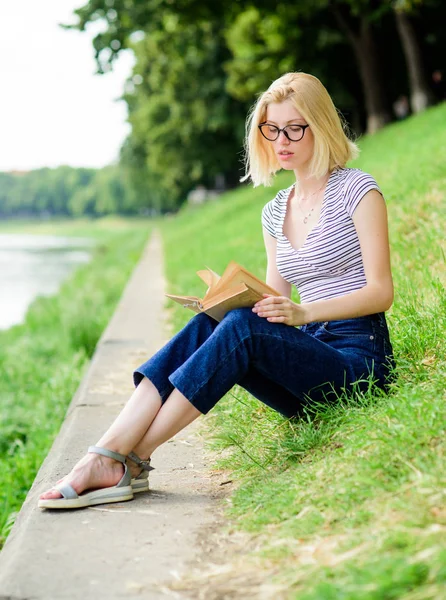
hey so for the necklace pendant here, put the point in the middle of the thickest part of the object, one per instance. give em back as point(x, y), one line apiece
point(306, 220)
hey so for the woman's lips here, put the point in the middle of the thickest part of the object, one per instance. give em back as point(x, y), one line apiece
point(285, 155)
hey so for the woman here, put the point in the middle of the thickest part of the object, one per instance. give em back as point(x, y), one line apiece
point(326, 234)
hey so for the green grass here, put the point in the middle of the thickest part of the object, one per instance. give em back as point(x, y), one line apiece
point(43, 360)
point(347, 504)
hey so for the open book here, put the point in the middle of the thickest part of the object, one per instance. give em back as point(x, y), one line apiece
point(236, 288)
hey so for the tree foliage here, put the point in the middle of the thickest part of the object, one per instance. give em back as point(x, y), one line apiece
point(64, 192)
point(185, 127)
point(199, 66)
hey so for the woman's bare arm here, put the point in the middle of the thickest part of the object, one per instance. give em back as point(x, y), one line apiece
point(273, 277)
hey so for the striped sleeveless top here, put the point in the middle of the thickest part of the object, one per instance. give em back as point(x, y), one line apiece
point(329, 264)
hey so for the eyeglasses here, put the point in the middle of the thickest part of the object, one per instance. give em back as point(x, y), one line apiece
point(293, 132)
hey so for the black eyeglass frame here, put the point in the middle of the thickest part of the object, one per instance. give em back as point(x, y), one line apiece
point(303, 127)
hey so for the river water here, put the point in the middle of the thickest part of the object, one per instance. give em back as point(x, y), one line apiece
point(35, 265)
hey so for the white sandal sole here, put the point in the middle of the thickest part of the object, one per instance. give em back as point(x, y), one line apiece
point(140, 485)
point(102, 496)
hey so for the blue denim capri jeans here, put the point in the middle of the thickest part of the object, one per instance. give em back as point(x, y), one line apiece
point(285, 367)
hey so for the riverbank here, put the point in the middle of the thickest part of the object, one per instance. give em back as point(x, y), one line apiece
point(67, 554)
point(43, 360)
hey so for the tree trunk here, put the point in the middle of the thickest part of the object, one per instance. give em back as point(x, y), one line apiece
point(421, 95)
point(378, 111)
point(367, 58)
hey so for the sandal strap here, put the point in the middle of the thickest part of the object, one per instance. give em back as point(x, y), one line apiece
point(66, 490)
point(145, 464)
point(107, 453)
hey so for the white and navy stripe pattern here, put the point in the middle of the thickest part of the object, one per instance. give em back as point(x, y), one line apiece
point(329, 264)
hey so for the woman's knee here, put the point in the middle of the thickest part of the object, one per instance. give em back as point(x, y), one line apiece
point(204, 320)
point(203, 324)
point(244, 319)
point(239, 315)
point(239, 321)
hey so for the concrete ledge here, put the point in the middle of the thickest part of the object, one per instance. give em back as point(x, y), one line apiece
point(122, 550)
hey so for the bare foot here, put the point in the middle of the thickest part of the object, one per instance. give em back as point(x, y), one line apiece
point(91, 472)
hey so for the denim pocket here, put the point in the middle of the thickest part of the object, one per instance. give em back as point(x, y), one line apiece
point(355, 335)
point(360, 327)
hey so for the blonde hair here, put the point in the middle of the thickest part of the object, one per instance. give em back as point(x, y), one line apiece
point(332, 147)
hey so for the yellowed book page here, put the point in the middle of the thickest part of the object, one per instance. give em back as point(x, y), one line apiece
point(191, 302)
point(230, 269)
point(209, 276)
point(234, 274)
point(223, 295)
point(241, 299)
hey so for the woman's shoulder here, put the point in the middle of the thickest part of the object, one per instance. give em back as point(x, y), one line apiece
point(273, 211)
point(350, 176)
point(355, 183)
point(279, 201)
point(282, 195)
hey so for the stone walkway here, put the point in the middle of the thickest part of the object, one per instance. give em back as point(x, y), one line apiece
point(129, 550)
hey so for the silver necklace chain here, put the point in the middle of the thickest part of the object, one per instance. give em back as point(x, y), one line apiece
point(307, 216)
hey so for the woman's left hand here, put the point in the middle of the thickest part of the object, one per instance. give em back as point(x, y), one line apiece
point(280, 309)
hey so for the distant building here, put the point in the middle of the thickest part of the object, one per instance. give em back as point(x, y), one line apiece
point(201, 194)
point(16, 172)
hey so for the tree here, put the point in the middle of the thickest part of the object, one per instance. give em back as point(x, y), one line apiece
point(186, 129)
point(421, 94)
point(312, 35)
point(125, 17)
point(127, 20)
point(65, 191)
point(265, 43)
point(275, 37)
point(184, 124)
point(357, 19)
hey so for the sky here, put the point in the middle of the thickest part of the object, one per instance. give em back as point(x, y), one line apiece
point(54, 109)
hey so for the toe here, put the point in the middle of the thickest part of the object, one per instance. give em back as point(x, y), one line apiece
point(51, 494)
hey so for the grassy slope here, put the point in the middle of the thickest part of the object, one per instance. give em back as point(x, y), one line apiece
point(42, 361)
point(350, 504)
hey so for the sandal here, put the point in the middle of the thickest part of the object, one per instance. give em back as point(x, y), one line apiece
point(118, 493)
point(140, 483)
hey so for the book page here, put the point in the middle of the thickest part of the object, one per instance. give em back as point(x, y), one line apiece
point(191, 302)
point(235, 274)
point(210, 277)
point(230, 269)
point(242, 298)
point(223, 295)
